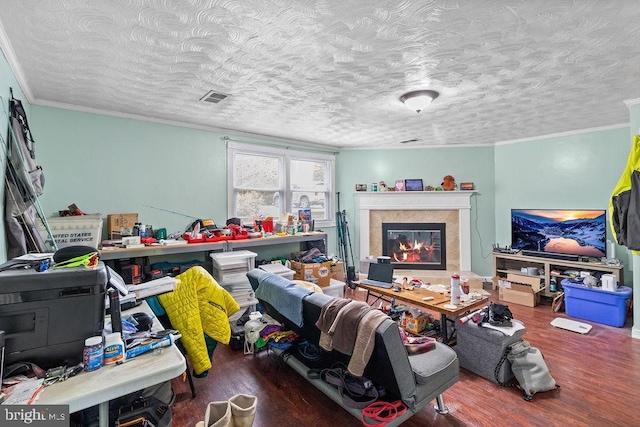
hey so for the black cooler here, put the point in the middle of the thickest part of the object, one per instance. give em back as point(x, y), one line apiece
point(47, 315)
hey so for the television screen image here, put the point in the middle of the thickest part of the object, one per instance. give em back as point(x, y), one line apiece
point(560, 231)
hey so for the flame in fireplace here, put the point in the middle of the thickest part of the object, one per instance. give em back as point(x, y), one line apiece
point(415, 247)
point(416, 252)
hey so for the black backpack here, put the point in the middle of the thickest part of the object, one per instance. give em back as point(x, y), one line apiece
point(499, 315)
point(496, 315)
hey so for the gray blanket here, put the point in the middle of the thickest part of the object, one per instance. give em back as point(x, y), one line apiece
point(283, 295)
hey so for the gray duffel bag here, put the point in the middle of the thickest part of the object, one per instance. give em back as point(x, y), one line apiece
point(529, 368)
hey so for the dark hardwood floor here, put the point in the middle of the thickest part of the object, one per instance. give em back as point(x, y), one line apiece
point(599, 374)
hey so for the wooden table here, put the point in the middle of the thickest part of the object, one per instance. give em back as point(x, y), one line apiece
point(437, 304)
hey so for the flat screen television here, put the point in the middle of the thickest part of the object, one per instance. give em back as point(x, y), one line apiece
point(559, 231)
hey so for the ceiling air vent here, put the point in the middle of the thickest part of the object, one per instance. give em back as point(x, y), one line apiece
point(213, 97)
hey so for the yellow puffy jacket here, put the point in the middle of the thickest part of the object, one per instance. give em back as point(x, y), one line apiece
point(198, 306)
point(624, 205)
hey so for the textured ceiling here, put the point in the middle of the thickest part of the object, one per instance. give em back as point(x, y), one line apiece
point(331, 72)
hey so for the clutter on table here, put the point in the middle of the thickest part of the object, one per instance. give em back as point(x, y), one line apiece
point(125, 230)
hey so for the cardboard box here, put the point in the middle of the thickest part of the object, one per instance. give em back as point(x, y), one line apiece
point(518, 289)
point(116, 222)
point(337, 271)
point(318, 273)
point(416, 324)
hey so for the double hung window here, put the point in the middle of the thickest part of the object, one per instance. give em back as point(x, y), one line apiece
point(268, 181)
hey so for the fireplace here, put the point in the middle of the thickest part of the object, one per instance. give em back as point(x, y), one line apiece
point(420, 246)
point(452, 208)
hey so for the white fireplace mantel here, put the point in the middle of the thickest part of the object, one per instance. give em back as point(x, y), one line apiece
point(420, 200)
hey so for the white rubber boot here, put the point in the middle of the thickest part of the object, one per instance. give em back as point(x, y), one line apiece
point(218, 414)
point(243, 410)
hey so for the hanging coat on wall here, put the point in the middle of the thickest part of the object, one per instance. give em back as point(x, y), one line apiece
point(624, 206)
point(24, 182)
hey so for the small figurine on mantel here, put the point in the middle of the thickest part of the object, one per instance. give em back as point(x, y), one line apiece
point(448, 183)
point(382, 186)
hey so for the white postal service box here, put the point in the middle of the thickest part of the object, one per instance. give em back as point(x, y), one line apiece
point(83, 230)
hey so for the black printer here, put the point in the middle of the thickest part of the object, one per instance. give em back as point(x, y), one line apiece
point(47, 315)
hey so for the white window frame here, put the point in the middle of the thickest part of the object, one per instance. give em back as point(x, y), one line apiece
point(286, 155)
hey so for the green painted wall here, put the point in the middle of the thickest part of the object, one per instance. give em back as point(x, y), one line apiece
point(634, 112)
point(570, 172)
point(107, 165)
point(475, 164)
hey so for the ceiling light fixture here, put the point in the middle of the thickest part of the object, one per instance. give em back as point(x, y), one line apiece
point(418, 100)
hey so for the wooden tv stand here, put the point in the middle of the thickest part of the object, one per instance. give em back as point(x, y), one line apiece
point(504, 263)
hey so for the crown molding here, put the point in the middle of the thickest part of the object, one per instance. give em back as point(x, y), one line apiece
point(564, 134)
point(7, 49)
point(630, 102)
point(261, 138)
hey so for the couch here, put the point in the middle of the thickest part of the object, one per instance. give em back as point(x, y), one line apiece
point(415, 379)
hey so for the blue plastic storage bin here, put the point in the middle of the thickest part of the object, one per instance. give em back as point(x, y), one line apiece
point(606, 307)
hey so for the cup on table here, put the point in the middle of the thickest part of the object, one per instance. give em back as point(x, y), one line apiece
point(464, 285)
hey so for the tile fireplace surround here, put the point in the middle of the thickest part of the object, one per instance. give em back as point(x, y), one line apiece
point(450, 207)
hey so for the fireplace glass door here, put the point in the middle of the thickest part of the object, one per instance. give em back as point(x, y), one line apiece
point(419, 246)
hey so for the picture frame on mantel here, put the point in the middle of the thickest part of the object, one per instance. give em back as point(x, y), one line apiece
point(413, 185)
point(399, 185)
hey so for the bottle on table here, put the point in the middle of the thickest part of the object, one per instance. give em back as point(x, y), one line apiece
point(455, 289)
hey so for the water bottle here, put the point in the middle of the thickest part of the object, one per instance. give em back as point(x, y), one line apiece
point(455, 289)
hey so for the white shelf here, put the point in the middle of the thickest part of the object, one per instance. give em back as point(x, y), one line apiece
point(504, 263)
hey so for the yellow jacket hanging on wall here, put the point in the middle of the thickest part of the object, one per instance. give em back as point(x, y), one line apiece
point(624, 205)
